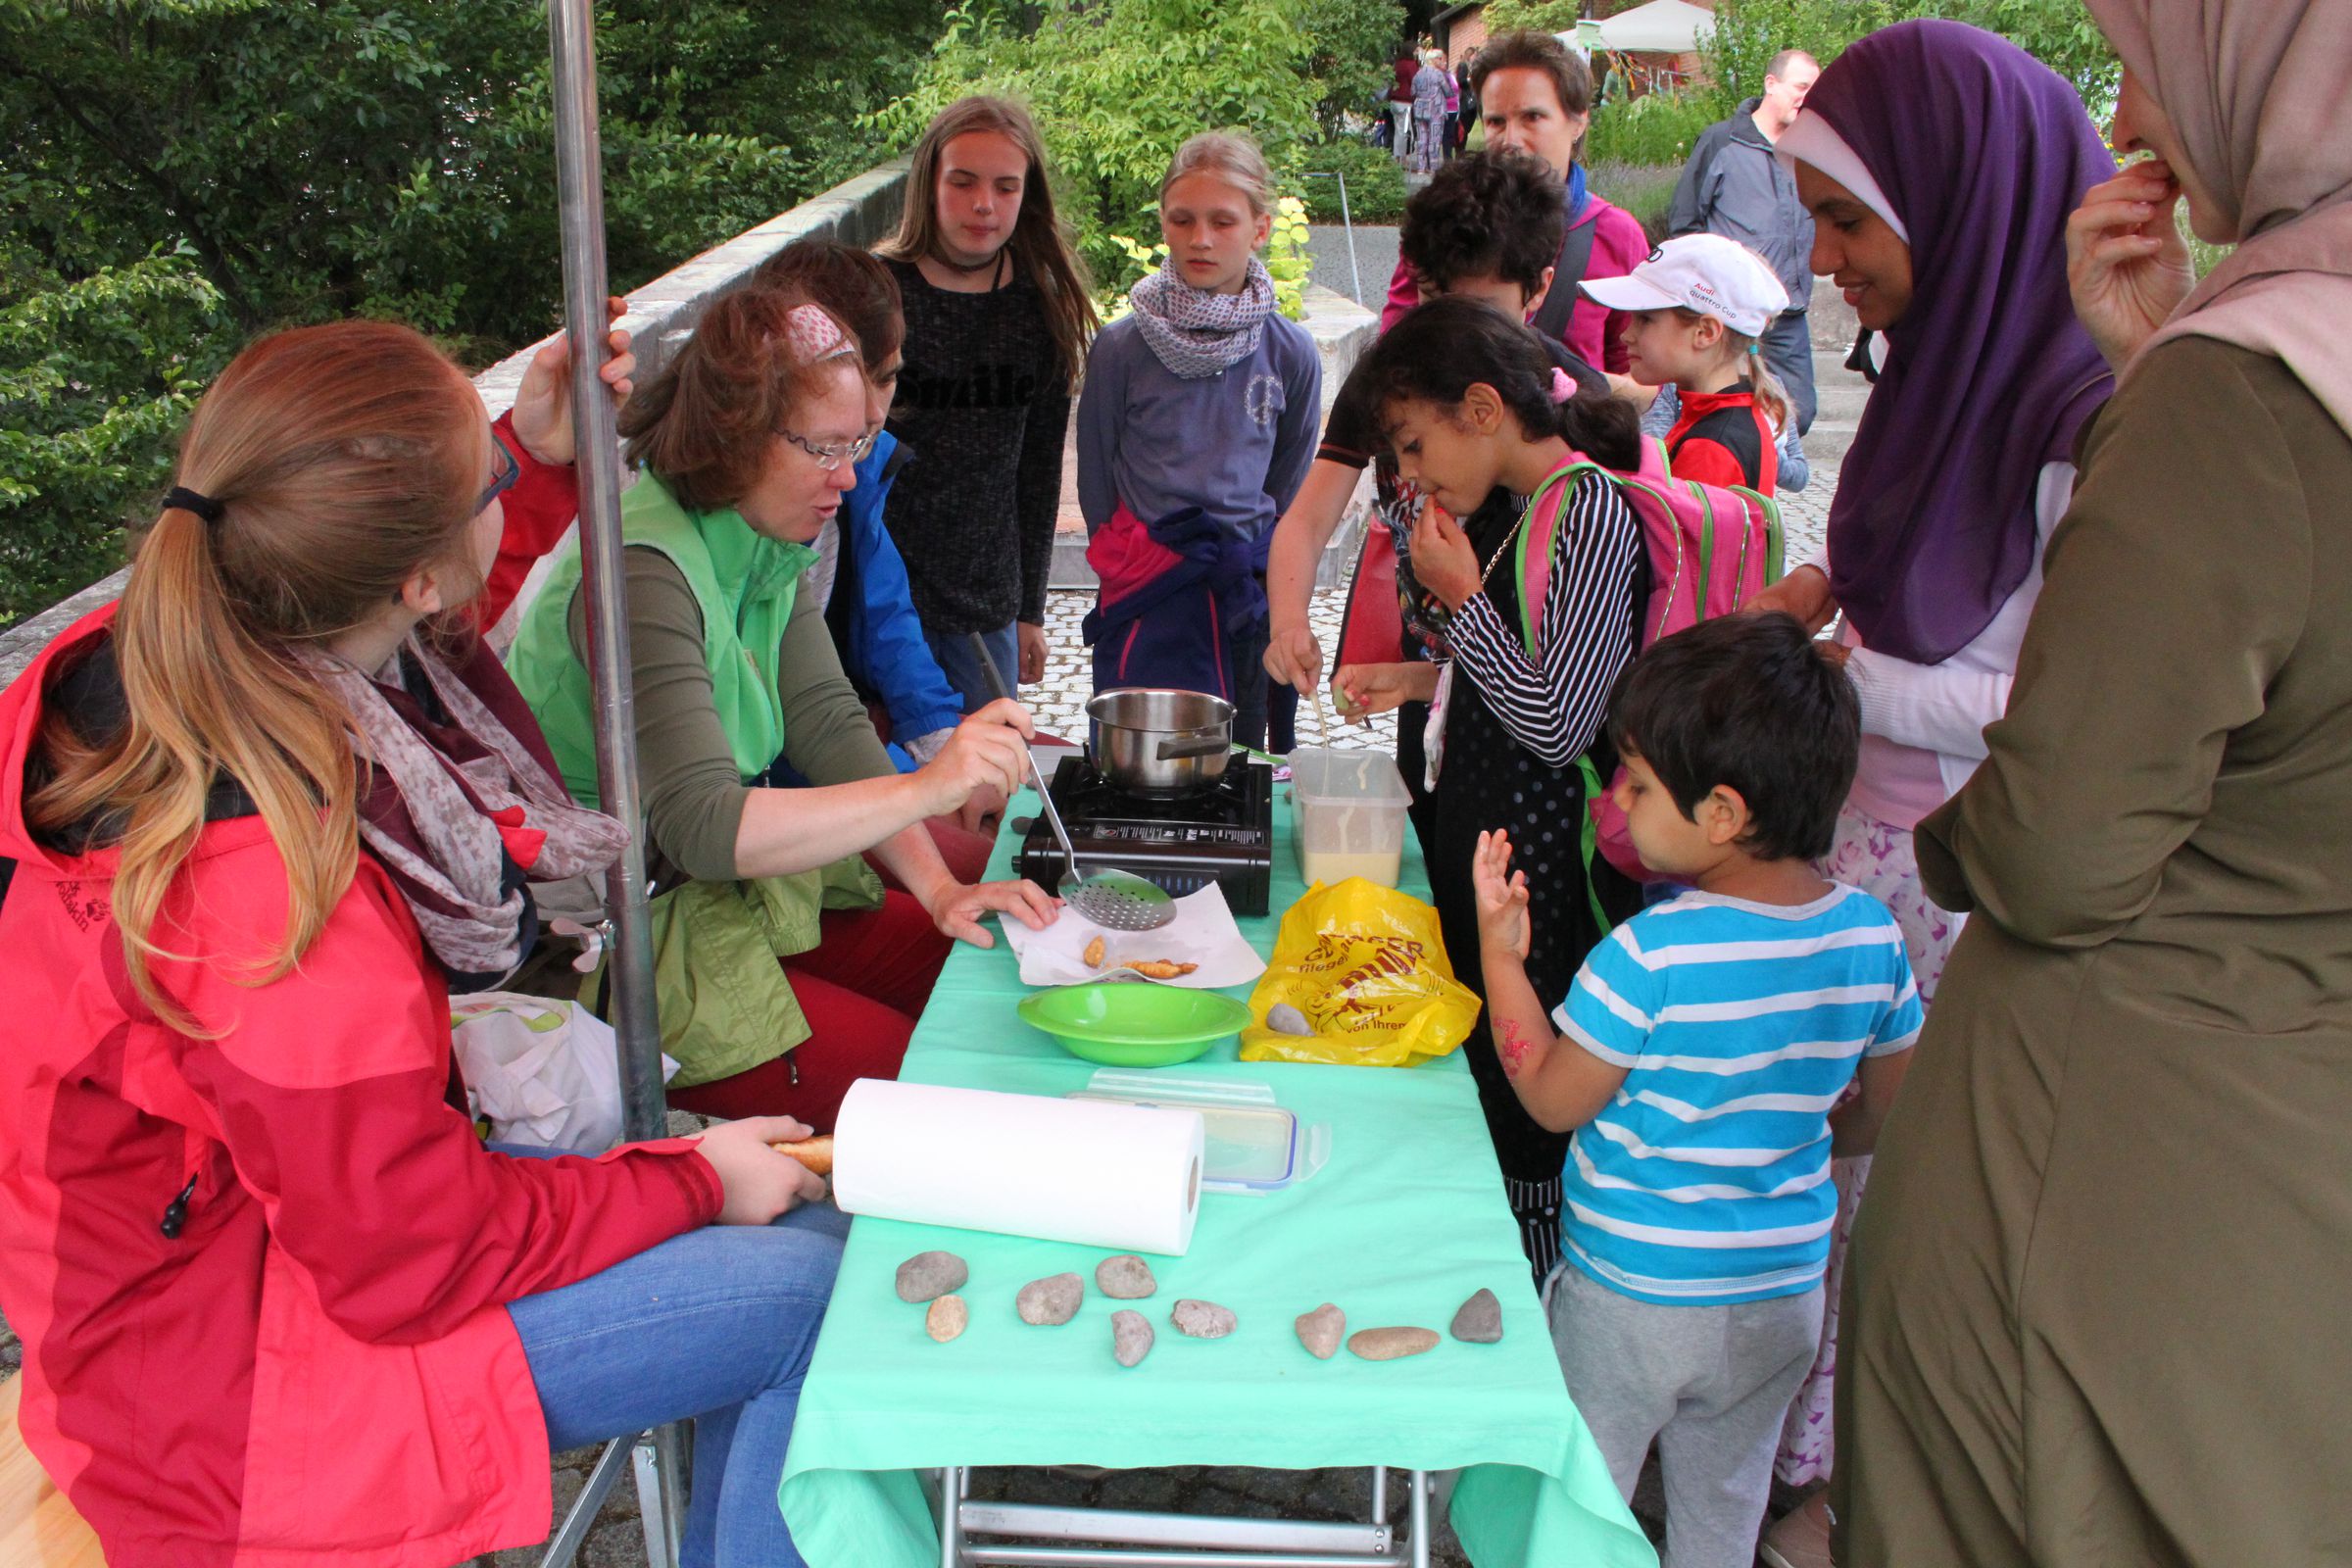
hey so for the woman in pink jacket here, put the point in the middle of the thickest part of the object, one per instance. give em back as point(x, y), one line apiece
point(278, 1303)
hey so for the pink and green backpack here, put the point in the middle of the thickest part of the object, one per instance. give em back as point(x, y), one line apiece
point(1711, 550)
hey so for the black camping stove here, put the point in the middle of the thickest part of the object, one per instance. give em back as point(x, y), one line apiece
point(1223, 835)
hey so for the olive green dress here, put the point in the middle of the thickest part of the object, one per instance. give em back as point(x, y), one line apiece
point(2099, 1306)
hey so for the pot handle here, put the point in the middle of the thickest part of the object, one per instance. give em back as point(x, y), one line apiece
point(1201, 746)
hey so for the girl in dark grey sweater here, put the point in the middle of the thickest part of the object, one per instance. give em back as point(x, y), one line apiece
point(997, 315)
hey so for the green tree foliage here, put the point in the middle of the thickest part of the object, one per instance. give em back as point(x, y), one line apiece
point(1544, 16)
point(1749, 32)
point(1116, 87)
point(95, 379)
point(1351, 45)
point(213, 169)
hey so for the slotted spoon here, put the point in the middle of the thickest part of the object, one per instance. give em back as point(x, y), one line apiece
point(1117, 900)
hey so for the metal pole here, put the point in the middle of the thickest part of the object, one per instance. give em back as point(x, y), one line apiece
point(1347, 220)
point(629, 956)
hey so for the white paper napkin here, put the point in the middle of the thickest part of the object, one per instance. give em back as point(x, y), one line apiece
point(1203, 933)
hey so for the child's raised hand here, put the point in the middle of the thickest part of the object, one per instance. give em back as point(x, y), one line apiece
point(1501, 893)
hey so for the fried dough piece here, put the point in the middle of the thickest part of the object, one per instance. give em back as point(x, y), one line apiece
point(1094, 953)
point(1160, 968)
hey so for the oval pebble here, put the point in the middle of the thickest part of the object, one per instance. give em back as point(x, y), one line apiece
point(947, 1318)
point(1130, 1336)
point(1285, 1019)
point(1125, 1277)
point(1051, 1300)
point(1390, 1343)
point(1203, 1320)
point(927, 1276)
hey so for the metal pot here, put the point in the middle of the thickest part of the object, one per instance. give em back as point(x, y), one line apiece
point(1159, 742)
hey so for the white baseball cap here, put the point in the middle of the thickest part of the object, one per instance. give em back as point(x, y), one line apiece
point(1703, 272)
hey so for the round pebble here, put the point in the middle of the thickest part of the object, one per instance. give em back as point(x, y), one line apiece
point(1051, 1300)
point(947, 1318)
point(1125, 1277)
point(1130, 1336)
point(1203, 1320)
point(1388, 1345)
point(1283, 1018)
point(1480, 1320)
point(927, 1276)
point(1321, 1331)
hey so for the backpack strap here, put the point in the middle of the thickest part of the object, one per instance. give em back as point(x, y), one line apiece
point(1531, 561)
point(1567, 272)
point(1589, 839)
point(1775, 537)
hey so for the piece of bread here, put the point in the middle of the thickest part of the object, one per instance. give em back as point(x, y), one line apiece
point(816, 1154)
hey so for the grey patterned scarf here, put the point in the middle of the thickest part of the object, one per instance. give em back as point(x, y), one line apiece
point(451, 799)
point(1197, 333)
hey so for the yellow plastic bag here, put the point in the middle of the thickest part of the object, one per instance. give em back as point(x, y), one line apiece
point(1367, 967)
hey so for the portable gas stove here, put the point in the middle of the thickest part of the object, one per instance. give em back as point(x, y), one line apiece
point(1223, 835)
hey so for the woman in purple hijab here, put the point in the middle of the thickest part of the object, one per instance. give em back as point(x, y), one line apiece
point(1939, 163)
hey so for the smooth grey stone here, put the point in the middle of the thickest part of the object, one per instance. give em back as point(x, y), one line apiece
point(1386, 1344)
point(947, 1318)
point(1480, 1321)
point(1130, 1336)
point(1321, 1331)
point(1283, 1018)
point(927, 1276)
point(1125, 1277)
point(1205, 1320)
point(1051, 1300)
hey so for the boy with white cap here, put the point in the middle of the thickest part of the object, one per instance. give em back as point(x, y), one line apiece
point(1698, 309)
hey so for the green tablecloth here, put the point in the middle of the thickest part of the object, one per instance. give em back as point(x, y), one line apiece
point(1404, 1223)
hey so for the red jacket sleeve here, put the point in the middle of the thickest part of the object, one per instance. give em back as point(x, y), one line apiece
point(1405, 292)
point(328, 1089)
point(1708, 461)
point(539, 507)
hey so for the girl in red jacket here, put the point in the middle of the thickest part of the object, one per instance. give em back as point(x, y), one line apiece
point(279, 1305)
point(1696, 311)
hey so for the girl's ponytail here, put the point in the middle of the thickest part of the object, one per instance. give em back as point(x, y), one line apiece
point(1771, 393)
point(336, 460)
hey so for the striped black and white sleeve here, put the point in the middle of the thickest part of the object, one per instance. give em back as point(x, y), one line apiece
point(1555, 705)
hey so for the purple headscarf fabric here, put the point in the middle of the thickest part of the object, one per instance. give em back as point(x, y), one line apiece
point(1983, 151)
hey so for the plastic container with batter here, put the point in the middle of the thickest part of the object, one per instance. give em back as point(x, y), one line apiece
point(1347, 815)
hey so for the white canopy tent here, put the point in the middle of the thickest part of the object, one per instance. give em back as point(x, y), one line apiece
point(1661, 26)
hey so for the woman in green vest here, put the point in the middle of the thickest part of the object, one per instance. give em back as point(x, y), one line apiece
point(785, 969)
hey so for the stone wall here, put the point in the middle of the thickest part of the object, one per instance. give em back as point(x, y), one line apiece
point(661, 314)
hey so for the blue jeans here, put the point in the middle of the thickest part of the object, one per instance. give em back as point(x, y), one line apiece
point(717, 1325)
point(963, 669)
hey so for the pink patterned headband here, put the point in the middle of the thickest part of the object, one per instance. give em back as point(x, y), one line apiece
point(816, 337)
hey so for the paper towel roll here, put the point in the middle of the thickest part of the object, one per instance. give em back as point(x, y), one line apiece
point(1089, 1171)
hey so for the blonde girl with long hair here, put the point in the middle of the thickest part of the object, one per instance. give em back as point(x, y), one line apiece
point(261, 814)
point(1197, 428)
point(999, 310)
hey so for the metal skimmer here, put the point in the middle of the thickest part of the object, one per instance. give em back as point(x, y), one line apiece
point(1117, 900)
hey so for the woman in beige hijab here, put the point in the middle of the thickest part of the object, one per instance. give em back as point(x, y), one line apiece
point(2098, 1300)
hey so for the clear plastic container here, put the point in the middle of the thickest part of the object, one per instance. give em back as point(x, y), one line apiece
point(1347, 815)
point(1253, 1145)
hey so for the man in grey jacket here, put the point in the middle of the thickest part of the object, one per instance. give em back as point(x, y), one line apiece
point(1733, 186)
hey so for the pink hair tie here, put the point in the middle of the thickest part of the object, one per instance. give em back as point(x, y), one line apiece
point(1563, 387)
point(814, 336)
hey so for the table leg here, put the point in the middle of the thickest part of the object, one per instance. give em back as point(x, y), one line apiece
point(1379, 1494)
point(1420, 1519)
point(951, 1515)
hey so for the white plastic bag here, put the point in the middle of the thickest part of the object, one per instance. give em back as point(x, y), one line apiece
point(544, 1073)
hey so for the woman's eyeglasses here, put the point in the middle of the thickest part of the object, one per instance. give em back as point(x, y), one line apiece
point(833, 455)
point(504, 471)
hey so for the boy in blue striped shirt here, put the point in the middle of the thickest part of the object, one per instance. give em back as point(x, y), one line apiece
point(1696, 1059)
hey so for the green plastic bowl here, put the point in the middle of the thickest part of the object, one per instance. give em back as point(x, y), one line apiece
point(1132, 1024)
